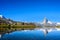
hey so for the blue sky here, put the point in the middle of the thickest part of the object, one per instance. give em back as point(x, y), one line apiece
point(31, 10)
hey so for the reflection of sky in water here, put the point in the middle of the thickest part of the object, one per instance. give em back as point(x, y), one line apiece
point(32, 35)
point(25, 35)
point(54, 35)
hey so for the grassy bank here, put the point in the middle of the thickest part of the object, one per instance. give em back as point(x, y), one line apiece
point(5, 28)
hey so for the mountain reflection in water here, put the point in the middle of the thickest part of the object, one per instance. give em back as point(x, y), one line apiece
point(32, 35)
point(54, 35)
point(25, 35)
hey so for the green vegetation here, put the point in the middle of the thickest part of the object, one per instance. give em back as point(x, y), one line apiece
point(7, 25)
point(58, 26)
point(6, 28)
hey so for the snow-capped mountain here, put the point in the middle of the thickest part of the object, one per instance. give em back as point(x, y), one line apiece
point(50, 22)
point(58, 24)
point(46, 22)
point(5, 20)
point(1, 16)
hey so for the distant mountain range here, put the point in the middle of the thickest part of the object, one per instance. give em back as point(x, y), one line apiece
point(4, 20)
point(46, 22)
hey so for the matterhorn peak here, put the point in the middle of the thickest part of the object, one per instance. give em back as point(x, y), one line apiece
point(49, 22)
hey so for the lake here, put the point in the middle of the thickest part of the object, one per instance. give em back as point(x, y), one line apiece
point(32, 35)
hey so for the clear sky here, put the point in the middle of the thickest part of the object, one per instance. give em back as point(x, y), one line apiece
point(31, 10)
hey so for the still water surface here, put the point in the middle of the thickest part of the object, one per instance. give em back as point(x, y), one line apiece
point(32, 35)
